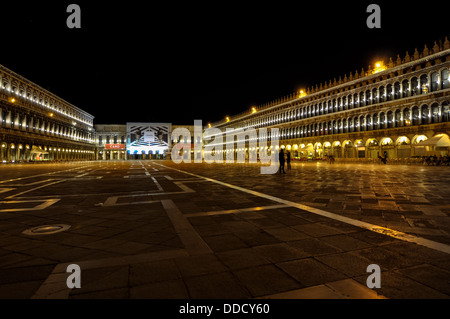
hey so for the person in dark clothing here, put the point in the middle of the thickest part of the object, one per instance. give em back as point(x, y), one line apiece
point(383, 159)
point(288, 160)
point(281, 160)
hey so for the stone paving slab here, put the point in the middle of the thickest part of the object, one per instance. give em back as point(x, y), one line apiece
point(201, 239)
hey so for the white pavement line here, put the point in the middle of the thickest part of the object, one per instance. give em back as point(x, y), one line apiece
point(31, 184)
point(157, 184)
point(191, 240)
point(4, 190)
point(112, 200)
point(185, 180)
point(55, 286)
point(235, 211)
point(45, 204)
point(375, 228)
point(45, 174)
point(33, 189)
point(184, 187)
point(81, 175)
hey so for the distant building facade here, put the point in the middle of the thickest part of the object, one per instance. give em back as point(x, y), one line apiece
point(138, 141)
point(110, 141)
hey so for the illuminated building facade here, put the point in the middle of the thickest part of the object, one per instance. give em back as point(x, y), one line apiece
point(138, 141)
point(399, 108)
point(37, 125)
point(110, 141)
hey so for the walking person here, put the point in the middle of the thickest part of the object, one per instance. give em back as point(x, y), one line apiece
point(281, 159)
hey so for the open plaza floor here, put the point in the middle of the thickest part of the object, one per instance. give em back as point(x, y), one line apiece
point(155, 229)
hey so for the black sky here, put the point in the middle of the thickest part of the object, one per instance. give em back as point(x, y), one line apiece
point(175, 62)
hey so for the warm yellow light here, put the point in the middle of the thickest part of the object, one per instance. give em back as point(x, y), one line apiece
point(228, 119)
point(51, 114)
point(301, 93)
point(421, 138)
point(253, 109)
point(209, 125)
point(379, 66)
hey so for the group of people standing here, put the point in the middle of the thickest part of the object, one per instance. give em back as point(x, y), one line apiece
point(284, 157)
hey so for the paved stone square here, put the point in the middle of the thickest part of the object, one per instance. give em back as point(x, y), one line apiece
point(155, 229)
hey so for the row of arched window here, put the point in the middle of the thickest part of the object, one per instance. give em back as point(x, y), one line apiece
point(416, 115)
point(13, 119)
point(416, 85)
point(27, 93)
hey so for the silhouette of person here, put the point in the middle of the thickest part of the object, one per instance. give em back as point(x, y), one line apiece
point(281, 159)
point(383, 159)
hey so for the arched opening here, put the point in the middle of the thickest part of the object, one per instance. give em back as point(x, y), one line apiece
point(375, 122)
point(445, 116)
point(381, 94)
point(414, 86)
point(434, 113)
point(368, 123)
point(425, 114)
point(360, 148)
point(390, 119)
point(327, 149)
point(362, 122)
point(389, 92)
point(387, 147)
point(372, 148)
point(397, 90)
point(405, 88)
point(403, 147)
point(368, 98)
point(445, 80)
point(337, 149)
point(382, 121)
point(415, 115)
point(348, 149)
point(424, 84)
point(434, 81)
point(406, 117)
point(397, 118)
point(374, 96)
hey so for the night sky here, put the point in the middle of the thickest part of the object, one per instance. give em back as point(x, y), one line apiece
point(169, 61)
